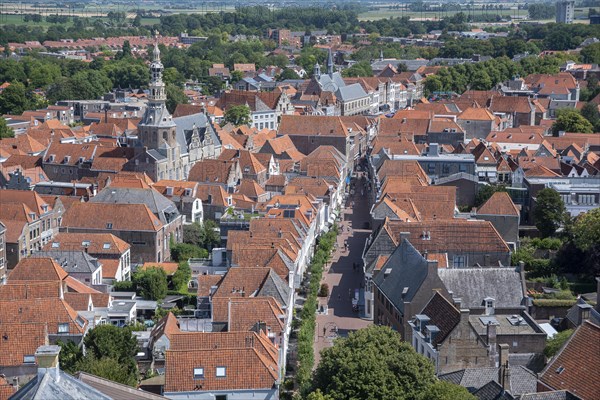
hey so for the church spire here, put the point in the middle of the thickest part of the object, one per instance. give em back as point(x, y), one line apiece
point(157, 86)
point(329, 63)
point(317, 70)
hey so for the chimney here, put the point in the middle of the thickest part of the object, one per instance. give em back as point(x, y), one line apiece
point(491, 329)
point(47, 360)
point(457, 302)
point(583, 313)
point(504, 370)
point(433, 149)
point(464, 315)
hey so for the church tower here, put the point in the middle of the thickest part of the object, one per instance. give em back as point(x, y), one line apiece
point(317, 70)
point(330, 64)
point(157, 130)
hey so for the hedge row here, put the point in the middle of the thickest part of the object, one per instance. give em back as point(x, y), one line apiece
point(306, 334)
point(553, 303)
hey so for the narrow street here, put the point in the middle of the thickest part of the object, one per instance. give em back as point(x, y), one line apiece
point(344, 275)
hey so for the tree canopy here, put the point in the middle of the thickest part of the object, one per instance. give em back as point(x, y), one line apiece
point(238, 115)
point(549, 211)
point(5, 130)
point(373, 363)
point(151, 283)
point(569, 120)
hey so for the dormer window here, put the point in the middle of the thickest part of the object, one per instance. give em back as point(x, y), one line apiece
point(169, 191)
point(109, 225)
point(85, 243)
point(51, 158)
point(66, 159)
point(55, 245)
point(188, 192)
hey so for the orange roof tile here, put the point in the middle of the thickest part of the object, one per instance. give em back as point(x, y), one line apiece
point(37, 269)
point(499, 203)
point(20, 340)
point(125, 217)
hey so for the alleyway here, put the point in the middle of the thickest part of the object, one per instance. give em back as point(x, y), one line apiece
point(342, 277)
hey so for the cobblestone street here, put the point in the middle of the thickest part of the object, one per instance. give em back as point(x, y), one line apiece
point(344, 275)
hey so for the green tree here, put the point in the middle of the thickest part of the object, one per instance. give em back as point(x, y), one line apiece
point(69, 357)
point(175, 96)
point(112, 343)
point(360, 69)
point(108, 368)
point(238, 115)
point(184, 251)
point(372, 363)
point(288, 73)
point(15, 99)
point(182, 277)
point(586, 230)
point(137, 21)
point(209, 235)
point(442, 390)
point(151, 283)
point(570, 120)
point(236, 76)
point(591, 113)
point(5, 130)
point(553, 345)
point(549, 212)
point(591, 54)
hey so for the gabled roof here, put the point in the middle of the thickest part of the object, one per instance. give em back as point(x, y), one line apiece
point(522, 380)
point(499, 203)
point(249, 359)
point(167, 326)
point(454, 235)
point(28, 197)
point(308, 125)
point(19, 290)
point(20, 340)
point(253, 281)
point(107, 216)
point(49, 311)
point(472, 285)
point(476, 114)
point(158, 204)
point(576, 367)
point(442, 314)
point(37, 269)
point(405, 268)
point(94, 243)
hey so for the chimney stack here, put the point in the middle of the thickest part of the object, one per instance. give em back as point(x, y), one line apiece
point(491, 329)
point(47, 360)
point(504, 370)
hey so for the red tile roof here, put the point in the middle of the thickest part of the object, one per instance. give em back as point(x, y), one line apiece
point(499, 203)
point(18, 340)
point(576, 367)
point(93, 243)
point(37, 269)
point(125, 217)
point(250, 362)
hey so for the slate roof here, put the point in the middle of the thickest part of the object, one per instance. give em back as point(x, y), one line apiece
point(492, 391)
point(57, 385)
point(472, 285)
point(71, 261)
point(576, 367)
point(160, 206)
point(554, 395)
point(116, 391)
point(522, 380)
point(442, 314)
point(185, 126)
point(573, 313)
point(407, 269)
